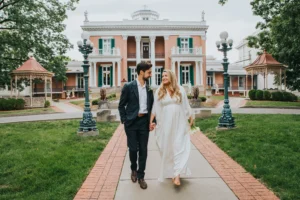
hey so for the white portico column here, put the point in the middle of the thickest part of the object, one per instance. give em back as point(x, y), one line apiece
point(119, 73)
point(202, 73)
point(173, 65)
point(95, 75)
point(138, 49)
point(197, 73)
point(179, 75)
point(114, 74)
point(152, 39)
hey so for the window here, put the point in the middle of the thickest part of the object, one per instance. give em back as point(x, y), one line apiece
point(106, 46)
point(158, 72)
point(209, 79)
point(106, 76)
point(241, 81)
point(145, 18)
point(80, 81)
point(184, 45)
point(185, 75)
point(133, 73)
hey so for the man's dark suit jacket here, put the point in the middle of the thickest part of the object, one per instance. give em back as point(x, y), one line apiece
point(129, 103)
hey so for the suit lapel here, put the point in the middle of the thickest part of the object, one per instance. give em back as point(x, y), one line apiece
point(136, 90)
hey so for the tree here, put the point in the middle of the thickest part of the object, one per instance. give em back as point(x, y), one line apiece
point(33, 26)
point(279, 34)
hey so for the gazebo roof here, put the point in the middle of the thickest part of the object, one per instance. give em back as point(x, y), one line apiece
point(265, 61)
point(32, 67)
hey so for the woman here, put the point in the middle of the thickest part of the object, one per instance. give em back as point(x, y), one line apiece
point(174, 117)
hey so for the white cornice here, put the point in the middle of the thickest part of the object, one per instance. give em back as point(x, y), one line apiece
point(146, 32)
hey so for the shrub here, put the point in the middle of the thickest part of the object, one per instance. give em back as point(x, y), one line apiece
point(252, 94)
point(189, 96)
point(20, 104)
point(95, 102)
point(47, 104)
point(203, 99)
point(259, 95)
point(112, 96)
point(277, 96)
point(12, 104)
point(267, 95)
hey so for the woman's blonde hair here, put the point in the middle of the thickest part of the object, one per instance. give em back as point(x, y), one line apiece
point(173, 87)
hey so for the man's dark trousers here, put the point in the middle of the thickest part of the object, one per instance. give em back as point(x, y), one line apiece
point(137, 141)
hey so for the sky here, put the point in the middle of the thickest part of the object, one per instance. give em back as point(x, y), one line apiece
point(235, 17)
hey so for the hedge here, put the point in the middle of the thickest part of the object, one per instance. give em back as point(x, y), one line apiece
point(12, 104)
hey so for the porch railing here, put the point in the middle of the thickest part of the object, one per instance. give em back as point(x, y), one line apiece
point(106, 52)
point(186, 51)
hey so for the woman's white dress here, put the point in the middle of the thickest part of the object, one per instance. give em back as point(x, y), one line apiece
point(172, 134)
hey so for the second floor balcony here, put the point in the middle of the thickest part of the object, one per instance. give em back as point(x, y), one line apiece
point(176, 51)
point(146, 55)
point(106, 52)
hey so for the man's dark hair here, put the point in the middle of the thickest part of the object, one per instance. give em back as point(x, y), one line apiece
point(144, 66)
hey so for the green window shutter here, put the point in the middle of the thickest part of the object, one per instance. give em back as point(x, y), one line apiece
point(100, 74)
point(191, 45)
point(129, 74)
point(178, 42)
point(100, 45)
point(112, 43)
point(111, 76)
point(180, 75)
point(192, 75)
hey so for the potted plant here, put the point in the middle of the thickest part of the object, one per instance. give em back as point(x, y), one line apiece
point(103, 102)
point(195, 101)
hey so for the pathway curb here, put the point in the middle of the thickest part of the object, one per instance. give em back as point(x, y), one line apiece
point(242, 183)
point(103, 179)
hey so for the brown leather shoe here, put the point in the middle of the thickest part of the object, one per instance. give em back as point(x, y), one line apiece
point(134, 176)
point(143, 184)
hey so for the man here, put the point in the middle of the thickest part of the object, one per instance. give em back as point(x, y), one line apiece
point(135, 110)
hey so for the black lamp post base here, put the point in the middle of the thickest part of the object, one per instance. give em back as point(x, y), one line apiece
point(87, 125)
point(226, 122)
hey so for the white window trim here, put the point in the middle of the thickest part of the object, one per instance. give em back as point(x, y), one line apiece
point(158, 67)
point(186, 65)
point(133, 67)
point(105, 65)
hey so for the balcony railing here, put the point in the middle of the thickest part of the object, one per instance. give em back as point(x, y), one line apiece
point(230, 88)
point(75, 88)
point(42, 90)
point(107, 52)
point(146, 56)
point(186, 51)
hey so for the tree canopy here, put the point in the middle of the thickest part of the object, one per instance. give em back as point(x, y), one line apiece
point(33, 26)
point(279, 34)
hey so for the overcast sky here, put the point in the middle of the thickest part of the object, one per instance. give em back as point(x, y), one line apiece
point(235, 17)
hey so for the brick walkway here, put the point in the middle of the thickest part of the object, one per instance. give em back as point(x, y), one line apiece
point(243, 184)
point(103, 179)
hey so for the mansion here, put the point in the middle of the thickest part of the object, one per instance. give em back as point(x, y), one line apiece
point(176, 45)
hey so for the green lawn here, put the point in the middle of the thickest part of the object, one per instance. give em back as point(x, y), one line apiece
point(47, 160)
point(33, 111)
point(272, 104)
point(267, 146)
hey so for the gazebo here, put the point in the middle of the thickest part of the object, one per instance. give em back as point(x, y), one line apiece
point(31, 70)
point(265, 64)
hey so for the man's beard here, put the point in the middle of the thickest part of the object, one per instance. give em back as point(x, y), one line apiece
point(146, 79)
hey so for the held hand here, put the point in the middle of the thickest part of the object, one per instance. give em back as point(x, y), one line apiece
point(152, 126)
point(191, 122)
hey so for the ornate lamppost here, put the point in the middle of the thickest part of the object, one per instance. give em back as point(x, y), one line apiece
point(87, 124)
point(226, 120)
